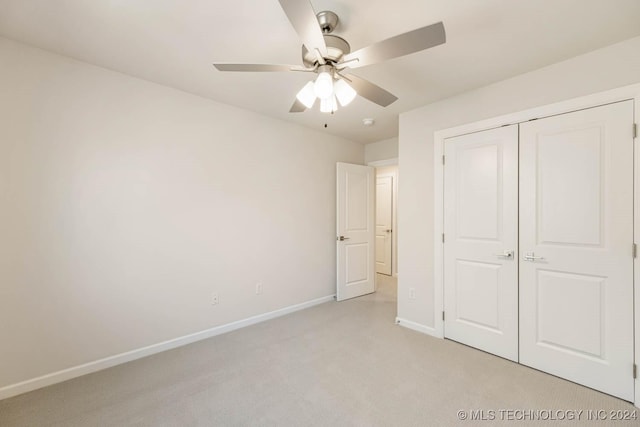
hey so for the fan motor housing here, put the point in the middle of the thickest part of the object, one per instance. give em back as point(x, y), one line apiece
point(337, 47)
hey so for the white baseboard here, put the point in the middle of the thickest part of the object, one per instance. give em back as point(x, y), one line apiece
point(417, 327)
point(107, 362)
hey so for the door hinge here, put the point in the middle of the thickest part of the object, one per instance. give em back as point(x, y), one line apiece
point(635, 371)
point(634, 251)
point(635, 130)
point(442, 237)
point(443, 316)
point(442, 160)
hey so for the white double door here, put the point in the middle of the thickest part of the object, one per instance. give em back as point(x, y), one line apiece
point(538, 244)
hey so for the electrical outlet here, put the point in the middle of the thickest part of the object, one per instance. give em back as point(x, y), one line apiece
point(412, 293)
point(214, 298)
point(259, 288)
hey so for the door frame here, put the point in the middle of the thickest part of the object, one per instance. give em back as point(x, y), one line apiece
point(394, 207)
point(631, 92)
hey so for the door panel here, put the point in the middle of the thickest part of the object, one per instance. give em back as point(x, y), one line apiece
point(478, 191)
point(357, 263)
point(384, 197)
point(576, 228)
point(480, 223)
point(570, 163)
point(477, 282)
point(580, 333)
point(355, 231)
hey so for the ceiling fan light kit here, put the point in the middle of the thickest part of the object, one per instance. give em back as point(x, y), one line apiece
point(344, 92)
point(330, 57)
point(329, 91)
point(307, 95)
point(323, 87)
point(328, 105)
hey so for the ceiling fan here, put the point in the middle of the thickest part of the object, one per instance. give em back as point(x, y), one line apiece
point(330, 57)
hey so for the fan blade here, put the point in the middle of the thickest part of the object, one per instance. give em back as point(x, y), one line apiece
point(368, 90)
point(258, 67)
point(400, 45)
point(304, 21)
point(298, 107)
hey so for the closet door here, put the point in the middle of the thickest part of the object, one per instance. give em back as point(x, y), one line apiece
point(576, 228)
point(481, 240)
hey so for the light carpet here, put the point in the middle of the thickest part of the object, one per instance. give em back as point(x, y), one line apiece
point(337, 364)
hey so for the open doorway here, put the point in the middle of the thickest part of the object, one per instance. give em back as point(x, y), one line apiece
point(365, 246)
point(386, 222)
point(383, 156)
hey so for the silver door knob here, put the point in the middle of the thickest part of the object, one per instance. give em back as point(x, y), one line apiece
point(530, 256)
point(505, 254)
point(342, 238)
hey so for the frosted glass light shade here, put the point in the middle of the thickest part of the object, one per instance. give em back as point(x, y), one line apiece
point(307, 95)
point(344, 92)
point(324, 86)
point(328, 105)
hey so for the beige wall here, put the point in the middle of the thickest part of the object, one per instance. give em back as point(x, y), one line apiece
point(125, 204)
point(603, 69)
point(381, 150)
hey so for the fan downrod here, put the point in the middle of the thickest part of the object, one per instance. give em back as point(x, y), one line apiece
point(328, 21)
point(337, 47)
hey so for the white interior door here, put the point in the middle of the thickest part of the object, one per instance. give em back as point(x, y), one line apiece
point(481, 240)
point(576, 228)
point(355, 231)
point(384, 204)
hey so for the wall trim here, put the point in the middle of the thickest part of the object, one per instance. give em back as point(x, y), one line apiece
point(562, 107)
point(386, 162)
point(118, 359)
point(428, 330)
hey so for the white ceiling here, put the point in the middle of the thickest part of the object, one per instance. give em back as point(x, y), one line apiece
point(174, 42)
